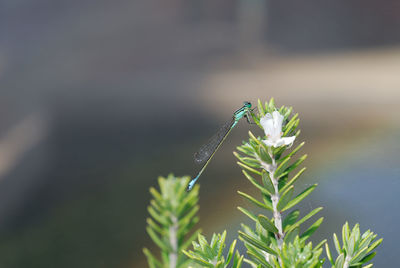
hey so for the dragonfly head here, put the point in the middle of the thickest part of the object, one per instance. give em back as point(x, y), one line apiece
point(247, 104)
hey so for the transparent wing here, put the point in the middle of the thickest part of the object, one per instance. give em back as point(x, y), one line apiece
point(205, 151)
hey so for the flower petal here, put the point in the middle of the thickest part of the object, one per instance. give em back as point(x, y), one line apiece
point(269, 143)
point(268, 125)
point(278, 119)
point(288, 140)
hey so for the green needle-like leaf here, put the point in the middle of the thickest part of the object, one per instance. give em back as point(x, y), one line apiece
point(300, 197)
point(267, 224)
point(260, 108)
point(304, 236)
point(256, 243)
point(285, 199)
point(290, 219)
point(340, 261)
point(157, 240)
point(328, 254)
point(291, 235)
point(337, 244)
point(230, 252)
point(293, 152)
point(253, 200)
point(289, 183)
point(249, 168)
point(222, 242)
point(281, 166)
point(296, 164)
point(267, 182)
point(305, 218)
point(255, 183)
point(248, 214)
point(153, 262)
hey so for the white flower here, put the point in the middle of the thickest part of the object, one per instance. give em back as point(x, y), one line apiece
point(272, 125)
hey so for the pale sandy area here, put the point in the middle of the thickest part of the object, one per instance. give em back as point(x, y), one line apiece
point(363, 83)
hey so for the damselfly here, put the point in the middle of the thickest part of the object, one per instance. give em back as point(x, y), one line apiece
point(207, 151)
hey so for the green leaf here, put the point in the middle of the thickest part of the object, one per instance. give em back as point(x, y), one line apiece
point(359, 255)
point(237, 262)
point(190, 215)
point(269, 186)
point(197, 259)
point(189, 240)
point(267, 224)
point(162, 220)
point(161, 244)
point(309, 215)
point(260, 108)
point(152, 261)
point(251, 162)
point(350, 245)
point(252, 200)
point(337, 244)
point(296, 164)
point(248, 214)
point(300, 197)
point(245, 149)
point(255, 183)
point(290, 219)
point(253, 138)
point(289, 183)
point(256, 243)
point(375, 244)
point(230, 252)
point(262, 153)
point(281, 166)
point(291, 235)
point(340, 261)
point(291, 125)
point(287, 113)
point(156, 195)
point(258, 256)
point(222, 242)
point(293, 152)
point(345, 235)
point(368, 257)
point(320, 244)
point(304, 236)
point(268, 202)
point(328, 254)
point(271, 104)
point(285, 199)
point(154, 226)
point(249, 168)
point(202, 241)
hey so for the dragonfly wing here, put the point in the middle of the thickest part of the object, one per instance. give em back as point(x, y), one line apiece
point(205, 151)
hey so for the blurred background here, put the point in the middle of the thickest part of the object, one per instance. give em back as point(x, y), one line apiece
point(99, 98)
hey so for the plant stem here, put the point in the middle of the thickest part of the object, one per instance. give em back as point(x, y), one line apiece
point(275, 199)
point(347, 262)
point(271, 168)
point(173, 232)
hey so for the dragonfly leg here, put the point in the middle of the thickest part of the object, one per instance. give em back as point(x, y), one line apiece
point(247, 116)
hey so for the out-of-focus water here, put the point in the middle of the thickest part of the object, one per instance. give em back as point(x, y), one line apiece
point(363, 186)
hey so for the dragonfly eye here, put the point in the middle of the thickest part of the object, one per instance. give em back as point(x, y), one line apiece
point(247, 104)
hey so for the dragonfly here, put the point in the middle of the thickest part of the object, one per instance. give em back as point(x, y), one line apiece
point(207, 151)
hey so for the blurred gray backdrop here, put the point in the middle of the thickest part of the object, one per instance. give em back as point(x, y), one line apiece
point(99, 98)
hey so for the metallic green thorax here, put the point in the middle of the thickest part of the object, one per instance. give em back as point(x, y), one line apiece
point(244, 111)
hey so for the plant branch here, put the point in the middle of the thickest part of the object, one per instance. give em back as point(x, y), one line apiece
point(347, 262)
point(173, 239)
point(275, 199)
